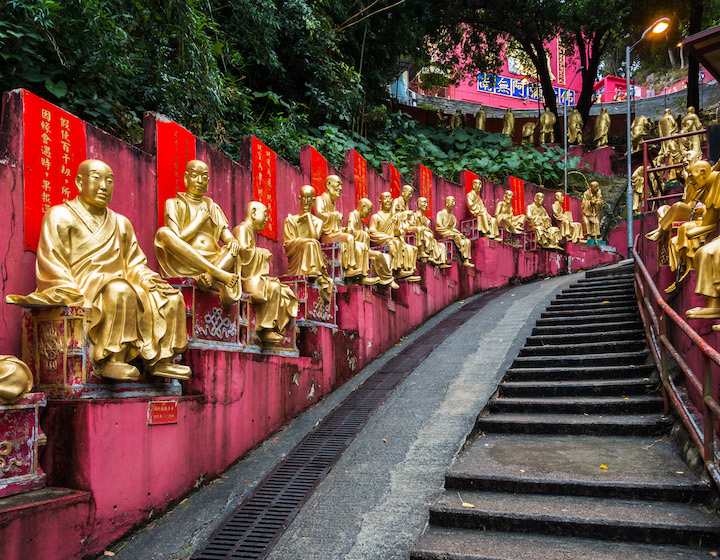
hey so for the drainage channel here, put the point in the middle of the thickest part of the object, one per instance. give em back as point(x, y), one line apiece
point(259, 521)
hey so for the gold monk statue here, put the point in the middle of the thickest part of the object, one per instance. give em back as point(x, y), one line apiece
point(480, 119)
point(602, 128)
point(400, 209)
point(575, 128)
point(638, 130)
point(188, 245)
point(486, 224)
point(569, 230)
point(428, 247)
point(15, 379)
point(446, 226)
point(591, 206)
point(353, 253)
point(88, 255)
point(385, 230)
point(667, 126)
point(638, 186)
point(547, 125)
point(505, 217)
point(274, 303)
point(546, 234)
point(691, 123)
point(301, 238)
point(380, 261)
point(508, 124)
point(528, 133)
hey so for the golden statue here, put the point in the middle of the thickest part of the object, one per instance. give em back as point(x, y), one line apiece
point(380, 261)
point(602, 128)
point(386, 230)
point(400, 209)
point(188, 245)
point(691, 123)
point(508, 124)
point(666, 127)
point(446, 226)
point(301, 238)
point(353, 254)
point(480, 119)
point(638, 130)
point(638, 186)
point(569, 230)
point(547, 125)
point(428, 247)
point(505, 217)
point(575, 128)
point(591, 206)
point(546, 234)
point(15, 379)
point(528, 132)
point(456, 120)
point(88, 255)
point(486, 223)
point(274, 303)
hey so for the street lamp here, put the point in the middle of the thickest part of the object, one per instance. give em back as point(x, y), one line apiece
point(656, 28)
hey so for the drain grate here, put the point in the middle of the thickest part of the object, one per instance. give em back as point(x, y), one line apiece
point(259, 521)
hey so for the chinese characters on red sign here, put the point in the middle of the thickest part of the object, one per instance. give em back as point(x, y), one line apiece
point(360, 169)
point(318, 171)
point(53, 148)
point(264, 184)
point(518, 189)
point(469, 178)
point(566, 203)
point(162, 412)
point(175, 147)
point(426, 186)
point(395, 187)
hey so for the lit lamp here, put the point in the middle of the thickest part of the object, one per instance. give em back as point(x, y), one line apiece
point(656, 28)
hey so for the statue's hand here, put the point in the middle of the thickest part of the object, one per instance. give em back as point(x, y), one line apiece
point(265, 252)
point(203, 214)
point(234, 247)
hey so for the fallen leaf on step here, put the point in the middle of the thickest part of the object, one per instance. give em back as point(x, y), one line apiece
point(604, 467)
point(679, 472)
point(606, 301)
point(108, 553)
point(468, 505)
point(384, 440)
point(713, 554)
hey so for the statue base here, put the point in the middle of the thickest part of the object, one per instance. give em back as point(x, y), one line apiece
point(313, 310)
point(451, 251)
point(469, 228)
point(21, 441)
point(331, 251)
point(524, 241)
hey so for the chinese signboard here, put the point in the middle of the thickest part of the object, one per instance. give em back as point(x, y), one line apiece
point(395, 186)
point(264, 184)
point(514, 87)
point(360, 170)
point(318, 171)
point(517, 186)
point(469, 178)
point(425, 186)
point(53, 147)
point(162, 412)
point(175, 147)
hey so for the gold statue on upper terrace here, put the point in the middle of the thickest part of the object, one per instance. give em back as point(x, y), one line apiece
point(508, 124)
point(486, 224)
point(446, 226)
point(547, 125)
point(387, 230)
point(575, 128)
point(88, 255)
point(602, 128)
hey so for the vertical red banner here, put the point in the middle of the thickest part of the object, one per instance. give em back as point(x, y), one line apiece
point(425, 187)
point(469, 178)
point(395, 186)
point(264, 184)
point(175, 147)
point(517, 186)
point(318, 171)
point(53, 147)
point(360, 172)
point(566, 203)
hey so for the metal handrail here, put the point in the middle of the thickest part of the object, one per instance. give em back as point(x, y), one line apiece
point(656, 327)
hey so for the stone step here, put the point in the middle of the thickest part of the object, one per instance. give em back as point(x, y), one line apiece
point(603, 359)
point(637, 468)
point(573, 516)
point(587, 298)
point(579, 328)
point(601, 286)
point(588, 348)
point(579, 338)
point(623, 268)
point(445, 543)
point(587, 313)
point(642, 404)
point(606, 280)
point(577, 289)
point(587, 320)
point(595, 303)
point(590, 387)
point(555, 373)
point(577, 424)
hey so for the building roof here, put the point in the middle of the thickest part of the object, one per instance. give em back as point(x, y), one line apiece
point(705, 47)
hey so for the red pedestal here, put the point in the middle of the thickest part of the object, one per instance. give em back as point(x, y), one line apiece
point(313, 310)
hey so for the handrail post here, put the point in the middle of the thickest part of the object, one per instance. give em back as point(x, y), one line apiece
point(664, 367)
point(708, 421)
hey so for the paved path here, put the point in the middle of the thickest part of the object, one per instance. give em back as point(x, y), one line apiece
point(373, 504)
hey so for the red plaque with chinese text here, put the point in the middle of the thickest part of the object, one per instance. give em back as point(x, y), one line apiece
point(360, 171)
point(162, 412)
point(175, 147)
point(264, 184)
point(53, 147)
point(425, 186)
point(318, 171)
point(566, 203)
point(469, 178)
point(518, 189)
point(395, 186)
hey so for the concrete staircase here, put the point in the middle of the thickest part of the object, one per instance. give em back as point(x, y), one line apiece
point(573, 458)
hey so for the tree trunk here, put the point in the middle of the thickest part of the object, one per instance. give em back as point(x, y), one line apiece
point(693, 89)
point(671, 56)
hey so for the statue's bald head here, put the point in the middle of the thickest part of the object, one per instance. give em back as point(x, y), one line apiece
point(253, 206)
point(95, 183)
point(256, 214)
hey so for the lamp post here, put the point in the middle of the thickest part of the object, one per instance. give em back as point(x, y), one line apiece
point(657, 27)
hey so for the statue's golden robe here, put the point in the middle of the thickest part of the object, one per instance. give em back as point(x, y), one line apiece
point(591, 206)
point(301, 238)
point(569, 230)
point(101, 267)
point(380, 261)
point(546, 234)
point(486, 223)
point(383, 232)
point(507, 220)
point(445, 225)
point(426, 242)
point(353, 253)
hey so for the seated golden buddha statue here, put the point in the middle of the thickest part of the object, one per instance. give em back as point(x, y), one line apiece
point(546, 234)
point(380, 261)
point(428, 247)
point(88, 255)
point(274, 303)
point(301, 238)
point(189, 243)
point(505, 217)
point(569, 230)
point(353, 253)
point(487, 224)
point(386, 230)
point(446, 226)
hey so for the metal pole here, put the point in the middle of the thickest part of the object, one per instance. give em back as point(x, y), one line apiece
point(629, 192)
point(565, 104)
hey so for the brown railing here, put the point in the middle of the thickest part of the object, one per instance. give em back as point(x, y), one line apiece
point(657, 326)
